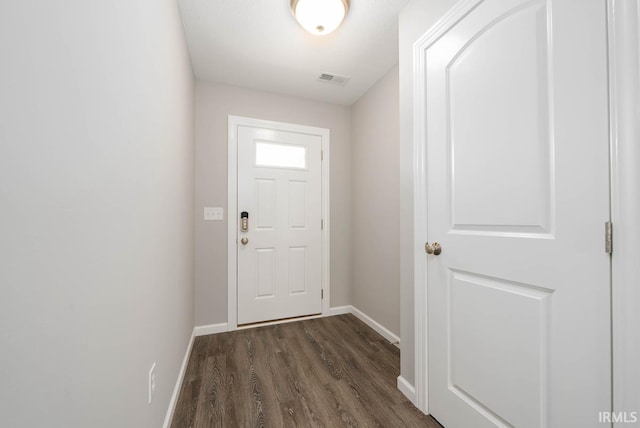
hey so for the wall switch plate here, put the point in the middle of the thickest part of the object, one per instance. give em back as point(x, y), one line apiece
point(213, 213)
point(152, 382)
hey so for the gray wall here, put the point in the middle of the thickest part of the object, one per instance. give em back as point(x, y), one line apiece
point(96, 218)
point(375, 238)
point(415, 19)
point(214, 103)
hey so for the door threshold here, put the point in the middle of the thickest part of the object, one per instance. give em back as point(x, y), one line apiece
point(278, 321)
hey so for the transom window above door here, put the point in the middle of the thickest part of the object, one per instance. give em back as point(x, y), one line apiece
point(281, 155)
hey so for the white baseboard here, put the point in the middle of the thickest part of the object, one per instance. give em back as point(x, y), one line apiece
point(407, 389)
point(176, 390)
point(386, 333)
point(203, 330)
point(339, 310)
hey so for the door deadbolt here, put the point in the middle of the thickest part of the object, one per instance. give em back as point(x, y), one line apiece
point(244, 221)
point(434, 248)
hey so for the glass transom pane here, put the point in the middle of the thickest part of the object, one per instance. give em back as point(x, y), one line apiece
point(281, 155)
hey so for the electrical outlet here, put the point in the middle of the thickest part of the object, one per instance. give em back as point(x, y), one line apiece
point(152, 382)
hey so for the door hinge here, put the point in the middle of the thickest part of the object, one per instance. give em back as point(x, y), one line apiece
point(608, 237)
point(322, 293)
point(321, 224)
point(321, 155)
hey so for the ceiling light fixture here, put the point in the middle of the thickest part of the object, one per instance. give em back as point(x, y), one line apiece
point(319, 17)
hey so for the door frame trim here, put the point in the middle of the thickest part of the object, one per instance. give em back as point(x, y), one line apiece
point(624, 97)
point(232, 207)
point(420, 220)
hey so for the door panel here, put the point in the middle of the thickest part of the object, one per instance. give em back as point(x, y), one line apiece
point(503, 326)
point(279, 185)
point(481, 197)
point(297, 270)
point(297, 204)
point(266, 204)
point(266, 272)
point(517, 155)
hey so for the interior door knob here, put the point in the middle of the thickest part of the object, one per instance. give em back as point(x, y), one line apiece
point(244, 241)
point(434, 248)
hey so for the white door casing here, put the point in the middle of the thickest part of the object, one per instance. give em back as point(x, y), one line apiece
point(624, 70)
point(281, 270)
point(512, 138)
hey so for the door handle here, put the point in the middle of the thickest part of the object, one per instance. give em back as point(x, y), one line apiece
point(244, 241)
point(434, 248)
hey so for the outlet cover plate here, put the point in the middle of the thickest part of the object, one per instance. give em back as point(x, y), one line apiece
point(213, 213)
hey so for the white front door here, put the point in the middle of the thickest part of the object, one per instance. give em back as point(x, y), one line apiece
point(279, 254)
point(517, 184)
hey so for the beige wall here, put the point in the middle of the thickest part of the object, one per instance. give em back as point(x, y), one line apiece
point(415, 19)
point(96, 218)
point(214, 103)
point(375, 175)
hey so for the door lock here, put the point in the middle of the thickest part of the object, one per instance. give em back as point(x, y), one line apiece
point(244, 241)
point(244, 221)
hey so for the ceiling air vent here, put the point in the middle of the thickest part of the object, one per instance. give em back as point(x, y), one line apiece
point(333, 78)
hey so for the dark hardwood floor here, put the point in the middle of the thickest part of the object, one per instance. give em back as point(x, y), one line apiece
point(325, 372)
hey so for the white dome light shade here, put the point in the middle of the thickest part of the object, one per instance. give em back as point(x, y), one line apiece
point(319, 17)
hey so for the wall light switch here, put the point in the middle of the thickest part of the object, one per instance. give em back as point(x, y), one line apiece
point(213, 213)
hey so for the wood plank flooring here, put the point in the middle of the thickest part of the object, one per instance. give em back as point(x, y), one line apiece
point(324, 372)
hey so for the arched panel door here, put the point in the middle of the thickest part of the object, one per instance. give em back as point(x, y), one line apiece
point(517, 178)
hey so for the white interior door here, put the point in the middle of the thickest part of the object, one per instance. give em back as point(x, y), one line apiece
point(279, 255)
point(517, 183)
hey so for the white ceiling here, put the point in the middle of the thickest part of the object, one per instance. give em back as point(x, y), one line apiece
point(258, 44)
